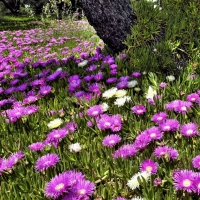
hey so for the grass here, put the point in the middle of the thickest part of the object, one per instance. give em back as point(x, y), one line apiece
point(58, 99)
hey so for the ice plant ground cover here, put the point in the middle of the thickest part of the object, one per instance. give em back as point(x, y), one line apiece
point(76, 125)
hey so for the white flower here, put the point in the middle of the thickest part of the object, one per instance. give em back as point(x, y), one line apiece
point(105, 106)
point(137, 89)
point(132, 84)
point(59, 69)
point(133, 183)
point(137, 198)
point(55, 123)
point(83, 63)
point(120, 93)
point(122, 100)
point(170, 78)
point(75, 147)
point(109, 93)
point(151, 93)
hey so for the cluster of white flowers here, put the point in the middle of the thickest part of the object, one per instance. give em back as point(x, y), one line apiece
point(170, 78)
point(109, 93)
point(133, 183)
point(104, 106)
point(120, 93)
point(132, 84)
point(150, 93)
point(55, 123)
point(122, 100)
point(76, 147)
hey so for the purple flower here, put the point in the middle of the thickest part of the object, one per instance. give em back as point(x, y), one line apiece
point(105, 122)
point(94, 111)
point(149, 165)
point(46, 161)
point(184, 180)
point(196, 162)
point(122, 85)
point(14, 82)
point(151, 101)
point(166, 151)
point(120, 198)
point(169, 125)
point(91, 68)
point(116, 123)
point(139, 109)
point(38, 146)
point(157, 181)
point(154, 133)
point(44, 90)
point(22, 87)
point(55, 136)
point(111, 140)
point(95, 88)
point(189, 130)
point(159, 117)
point(57, 186)
point(54, 75)
point(179, 106)
point(12, 160)
point(197, 183)
point(124, 78)
point(111, 80)
point(142, 140)
point(194, 97)
point(113, 72)
point(83, 188)
point(136, 74)
point(88, 78)
point(71, 127)
point(30, 110)
point(125, 151)
point(162, 85)
point(113, 66)
point(74, 176)
point(98, 77)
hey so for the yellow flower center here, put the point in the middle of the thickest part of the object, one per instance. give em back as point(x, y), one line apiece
point(57, 135)
point(140, 111)
point(167, 128)
point(159, 118)
point(183, 108)
point(152, 135)
point(189, 132)
point(193, 99)
point(162, 153)
point(186, 183)
point(95, 113)
point(149, 168)
point(82, 191)
point(59, 186)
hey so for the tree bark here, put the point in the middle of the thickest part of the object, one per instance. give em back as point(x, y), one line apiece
point(13, 6)
point(112, 20)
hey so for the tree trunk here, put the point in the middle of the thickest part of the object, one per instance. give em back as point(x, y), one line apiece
point(13, 6)
point(112, 20)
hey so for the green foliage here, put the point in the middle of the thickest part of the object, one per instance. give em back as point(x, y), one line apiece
point(164, 38)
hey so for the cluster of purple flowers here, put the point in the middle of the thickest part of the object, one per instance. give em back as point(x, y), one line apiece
point(69, 185)
point(113, 122)
point(8, 163)
point(179, 106)
point(54, 137)
point(166, 152)
point(18, 111)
